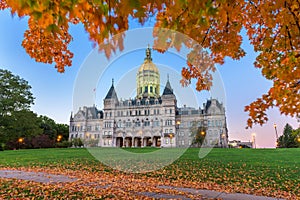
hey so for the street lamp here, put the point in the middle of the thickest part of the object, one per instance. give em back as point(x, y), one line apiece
point(275, 127)
point(20, 141)
point(171, 136)
point(59, 137)
point(253, 140)
point(223, 140)
point(202, 133)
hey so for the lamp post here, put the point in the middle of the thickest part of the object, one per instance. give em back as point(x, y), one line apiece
point(275, 127)
point(59, 137)
point(223, 140)
point(20, 141)
point(177, 130)
point(171, 136)
point(253, 140)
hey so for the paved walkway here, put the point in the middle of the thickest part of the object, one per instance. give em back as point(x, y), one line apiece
point(42, 177)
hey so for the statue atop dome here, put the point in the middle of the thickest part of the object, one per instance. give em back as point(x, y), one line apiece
point(148, 54)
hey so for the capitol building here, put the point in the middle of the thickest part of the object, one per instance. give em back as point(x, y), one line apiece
point(151, 118)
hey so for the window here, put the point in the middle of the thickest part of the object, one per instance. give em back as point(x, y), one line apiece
point(147, 123)
point(151, 89)
point(167, 140)
point(166, 131)
point(88, 128)
point(171, 131)
point(156, 123)
point(182, 142)
point(168, 122)
point(97, 127)
point(119, 124)
point(146, 89)
point(107, 124)
point(170, 111)
point(138, 123)
point(128, 124)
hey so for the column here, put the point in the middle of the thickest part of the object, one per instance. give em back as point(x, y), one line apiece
point(142, 142)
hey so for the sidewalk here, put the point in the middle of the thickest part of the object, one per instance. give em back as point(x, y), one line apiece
point(42, 177)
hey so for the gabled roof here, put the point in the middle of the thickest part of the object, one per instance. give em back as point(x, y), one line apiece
point(168, 89)
point(209, 102)
point(112, 92)
point(89, 113)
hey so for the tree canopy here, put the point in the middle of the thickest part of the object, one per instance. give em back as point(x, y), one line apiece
point(289, 138)
point(19, 126)
point(273, 28)
point(15, 94)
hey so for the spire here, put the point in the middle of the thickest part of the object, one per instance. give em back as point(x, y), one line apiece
point(168, 89)
point(71, 117)
point(148, 54)
point(111, 93)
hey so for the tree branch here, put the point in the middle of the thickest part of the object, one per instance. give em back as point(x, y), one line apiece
point(295, 17)
point(290, 37)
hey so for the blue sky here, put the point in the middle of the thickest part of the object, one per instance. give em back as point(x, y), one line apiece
point(54, 91)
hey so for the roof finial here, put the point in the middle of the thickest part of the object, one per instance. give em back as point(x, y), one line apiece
point(148, 53)
point(112, 81)
point(168, 76)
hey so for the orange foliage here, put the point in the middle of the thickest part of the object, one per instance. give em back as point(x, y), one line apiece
point(273, 28)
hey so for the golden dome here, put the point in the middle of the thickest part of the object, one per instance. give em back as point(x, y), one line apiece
point(147, 79)
point(148, 65)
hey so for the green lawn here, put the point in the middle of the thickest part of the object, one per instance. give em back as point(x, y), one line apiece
point(252, 168)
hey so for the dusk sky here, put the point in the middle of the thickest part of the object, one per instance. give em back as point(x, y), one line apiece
point(242, 82)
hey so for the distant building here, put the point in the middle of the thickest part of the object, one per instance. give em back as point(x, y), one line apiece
point(240, 144)
point(150, 119)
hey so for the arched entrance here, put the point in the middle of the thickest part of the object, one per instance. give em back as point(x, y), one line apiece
point(147, 142)
point(128, 142)
point(156, 141)
point(137, 142)
point(119, 142)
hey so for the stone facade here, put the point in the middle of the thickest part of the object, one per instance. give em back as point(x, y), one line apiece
point(149, 119)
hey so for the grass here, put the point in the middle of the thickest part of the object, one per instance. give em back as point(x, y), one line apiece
point(253, 168)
